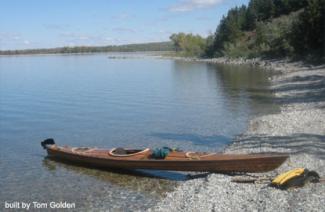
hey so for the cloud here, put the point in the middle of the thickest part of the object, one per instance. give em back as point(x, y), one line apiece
point(80, 39)
point(83, 37)
point(189, 5)
point(55, 26)
point(13, 38)
point(10, 36)
point(165, 32)
point(76, 36)
point(123, 16)
point(204, 18)
point(124, 29)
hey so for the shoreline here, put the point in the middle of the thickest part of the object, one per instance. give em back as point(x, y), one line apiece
point(298, 129)
point(282, 65)
point(145, 53)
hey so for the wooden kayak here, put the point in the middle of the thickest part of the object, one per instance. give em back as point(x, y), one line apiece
point(174, 161)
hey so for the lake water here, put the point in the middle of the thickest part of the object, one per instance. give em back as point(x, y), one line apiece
point(94, 100)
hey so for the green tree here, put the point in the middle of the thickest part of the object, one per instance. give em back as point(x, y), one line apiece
point(308, 35)
point(230, 28)
point(189, 44)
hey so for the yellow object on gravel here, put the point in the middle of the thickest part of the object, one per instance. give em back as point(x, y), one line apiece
point(285, 177)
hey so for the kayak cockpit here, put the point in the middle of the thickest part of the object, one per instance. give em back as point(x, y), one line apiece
point(121, 152)
point(82, 149)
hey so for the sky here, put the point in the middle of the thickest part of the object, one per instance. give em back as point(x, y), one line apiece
point(26, 24)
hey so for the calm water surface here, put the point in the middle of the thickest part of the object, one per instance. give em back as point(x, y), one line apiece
point(92, 100)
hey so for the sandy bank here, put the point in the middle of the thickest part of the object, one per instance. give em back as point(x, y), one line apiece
point(298, 129)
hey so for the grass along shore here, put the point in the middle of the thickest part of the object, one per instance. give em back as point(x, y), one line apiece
point(299, 129)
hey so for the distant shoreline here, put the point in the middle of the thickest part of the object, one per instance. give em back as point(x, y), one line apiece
point(155, 53)
point(138, 47)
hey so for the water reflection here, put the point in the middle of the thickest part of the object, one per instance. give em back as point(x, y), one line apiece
point(233, 85)
point(144, 182)
point(53, 163)
point(245, 83)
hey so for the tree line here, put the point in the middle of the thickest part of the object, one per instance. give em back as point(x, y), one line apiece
point(274, 28)
point(155, 46)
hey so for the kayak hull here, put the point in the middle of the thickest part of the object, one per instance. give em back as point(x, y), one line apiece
point(175, 161)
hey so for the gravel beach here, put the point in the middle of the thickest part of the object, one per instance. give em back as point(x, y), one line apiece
point(299, 129)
